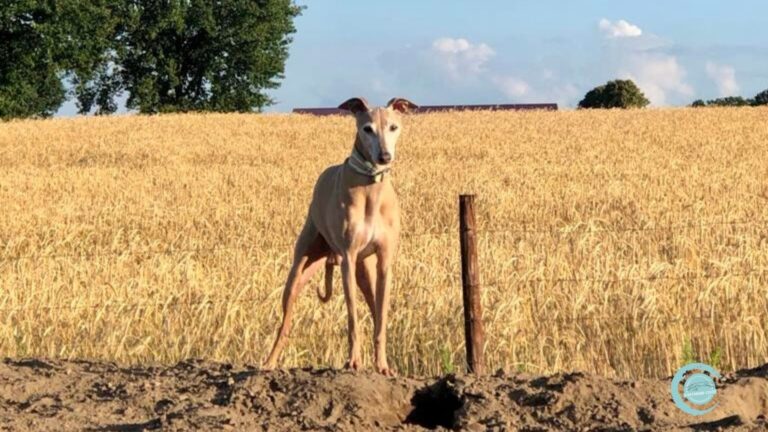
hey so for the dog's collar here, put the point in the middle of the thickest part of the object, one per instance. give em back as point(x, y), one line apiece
point(357, 162)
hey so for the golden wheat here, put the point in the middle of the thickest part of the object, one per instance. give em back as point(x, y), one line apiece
point(608, 239)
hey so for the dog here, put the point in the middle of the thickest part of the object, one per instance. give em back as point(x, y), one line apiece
point(354, 222)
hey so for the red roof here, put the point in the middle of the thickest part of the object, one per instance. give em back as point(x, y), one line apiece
point(435, 108)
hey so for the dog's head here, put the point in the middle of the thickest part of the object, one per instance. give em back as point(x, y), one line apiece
point(378, 129)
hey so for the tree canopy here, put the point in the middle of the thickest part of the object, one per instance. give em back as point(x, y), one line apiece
point(615, 94)
point(729, 101)
point(761, 98)
point(734, 101)
point(168, 55)
point(29, 72)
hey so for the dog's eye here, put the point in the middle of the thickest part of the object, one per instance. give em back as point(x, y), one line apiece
point(368, 129)
point(393, 128)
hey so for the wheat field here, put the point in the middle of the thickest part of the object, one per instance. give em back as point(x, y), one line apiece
point(615, 242)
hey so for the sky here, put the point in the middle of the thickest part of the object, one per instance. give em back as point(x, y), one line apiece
point(493, 51)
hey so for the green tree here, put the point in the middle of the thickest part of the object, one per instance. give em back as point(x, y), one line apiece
point(86, 30)
point(30, 84)
point(43, 42)
point(735, 101)
point(168, 55)
point(193, 55)
point(698, 103)
point(615, 94)
point(761, 98)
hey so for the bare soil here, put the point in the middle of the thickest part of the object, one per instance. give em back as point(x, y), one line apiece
point(38, 394)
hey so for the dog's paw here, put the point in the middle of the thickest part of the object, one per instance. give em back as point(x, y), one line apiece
point(353, 364)
point(386, 371)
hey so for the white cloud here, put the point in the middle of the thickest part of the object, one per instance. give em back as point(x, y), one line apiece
point(642, 58)
point(658, 76)
point(455, 70)
point(460, 56)
point(451, 45)
point(512, 87)
point(565, 95)
point(725, 78)
point(466, 62)
point(619, 29)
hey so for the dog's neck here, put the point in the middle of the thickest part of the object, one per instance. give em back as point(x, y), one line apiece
point(362, 166)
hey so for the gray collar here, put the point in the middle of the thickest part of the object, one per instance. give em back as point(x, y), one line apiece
point(357, 162)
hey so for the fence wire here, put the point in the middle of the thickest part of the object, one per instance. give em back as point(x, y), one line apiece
point(523, 228)
point(133, 305)
point(552, 229)
point(686, 277)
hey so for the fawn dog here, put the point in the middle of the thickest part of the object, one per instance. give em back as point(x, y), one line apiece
point(354, 221)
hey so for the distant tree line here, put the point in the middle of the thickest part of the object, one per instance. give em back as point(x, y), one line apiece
point(759, 99)
point(626, 94)
point(167, 55)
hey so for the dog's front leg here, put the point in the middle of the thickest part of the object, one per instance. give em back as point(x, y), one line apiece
point(348, 263)
point(383, 278)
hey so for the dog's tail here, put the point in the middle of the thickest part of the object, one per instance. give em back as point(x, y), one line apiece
point(328, 284)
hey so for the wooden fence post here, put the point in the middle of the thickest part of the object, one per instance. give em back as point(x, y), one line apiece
point(474, 332)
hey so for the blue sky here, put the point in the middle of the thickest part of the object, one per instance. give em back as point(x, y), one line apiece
point(493, 51)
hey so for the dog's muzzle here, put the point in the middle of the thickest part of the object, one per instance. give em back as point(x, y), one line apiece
point(359, 164)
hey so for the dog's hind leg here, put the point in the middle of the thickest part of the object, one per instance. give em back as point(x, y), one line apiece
point(310, 254)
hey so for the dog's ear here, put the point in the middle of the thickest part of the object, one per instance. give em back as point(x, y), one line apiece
point(402, 105)
point(355, 105)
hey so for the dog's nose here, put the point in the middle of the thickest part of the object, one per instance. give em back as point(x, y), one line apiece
point(385, 158)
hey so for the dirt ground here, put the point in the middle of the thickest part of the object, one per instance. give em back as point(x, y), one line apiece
point(57, 395)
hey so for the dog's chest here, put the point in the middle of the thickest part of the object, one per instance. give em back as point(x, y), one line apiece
point(365, 237)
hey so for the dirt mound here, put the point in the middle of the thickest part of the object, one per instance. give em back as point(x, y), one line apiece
point(194, 395)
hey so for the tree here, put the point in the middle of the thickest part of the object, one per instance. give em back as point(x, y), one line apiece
point(761, 98)
point(615, 94)
point(698, 103)
point(42, 42)
point(169, 55)
point(86, 30)
point(734, 101)
point(29, 80)
point(193, 55)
